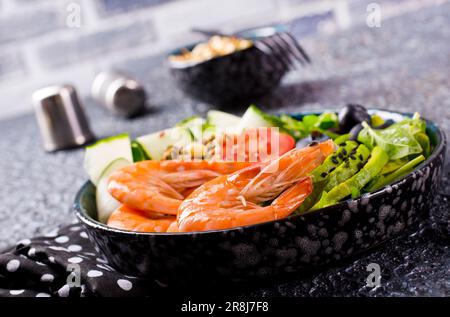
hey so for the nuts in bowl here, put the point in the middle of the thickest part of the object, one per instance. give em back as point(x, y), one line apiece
point(214, 47)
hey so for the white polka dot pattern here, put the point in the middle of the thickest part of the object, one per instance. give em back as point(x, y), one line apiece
point(48, 278)
point(12, 265)
point(64, 291)
point(125, 284)
point(45, 260)
point(16, 291)
point(62, 239)
point(94, 273)
point(75, 260)
point(32, 252)
point(74, 248)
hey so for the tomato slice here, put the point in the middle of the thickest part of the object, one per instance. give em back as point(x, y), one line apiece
point(255, 145)
point(286, 142)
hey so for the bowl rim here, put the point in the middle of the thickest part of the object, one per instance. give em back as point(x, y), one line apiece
point(82, 215)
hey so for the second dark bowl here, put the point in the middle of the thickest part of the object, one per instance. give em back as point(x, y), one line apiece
point(237, 78)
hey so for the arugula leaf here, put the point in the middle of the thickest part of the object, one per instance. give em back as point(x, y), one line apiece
point(295, 128)
point(303, 128)
point(310, 121)
point(327, 120)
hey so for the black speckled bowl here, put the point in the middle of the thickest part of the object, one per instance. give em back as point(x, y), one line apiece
point(292, 244)
point(229, 80)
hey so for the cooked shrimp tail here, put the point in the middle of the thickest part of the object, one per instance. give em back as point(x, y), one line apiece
point(130, 219)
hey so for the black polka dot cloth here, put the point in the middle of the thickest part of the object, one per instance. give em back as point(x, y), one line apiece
point(63, 263)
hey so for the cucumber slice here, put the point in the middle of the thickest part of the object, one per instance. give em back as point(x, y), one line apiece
point(222, 119)
point(195, 124)
point(106, 204)
point(156, 144)
point(190, 122)
point(102, 153)
point(208, 132)
point(255, 118)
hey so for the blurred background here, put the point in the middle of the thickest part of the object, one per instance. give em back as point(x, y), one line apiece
point(46, 42)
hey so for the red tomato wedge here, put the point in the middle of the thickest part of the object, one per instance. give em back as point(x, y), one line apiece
point(254, 145)
point(286, 142)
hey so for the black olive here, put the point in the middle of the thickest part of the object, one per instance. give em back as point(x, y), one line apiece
point(355, 131)
point(351, 115)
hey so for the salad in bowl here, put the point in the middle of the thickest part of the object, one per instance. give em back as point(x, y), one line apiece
point(225, 171)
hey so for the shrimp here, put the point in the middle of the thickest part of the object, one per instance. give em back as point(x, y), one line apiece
point(235, 200)
point(160, 186)
point(127, 218)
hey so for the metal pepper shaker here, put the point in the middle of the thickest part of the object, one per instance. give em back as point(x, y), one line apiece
point(118, 93)
point(61, 118)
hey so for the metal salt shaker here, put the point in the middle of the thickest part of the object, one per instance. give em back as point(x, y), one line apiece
point(61, 118)
point(118, 93)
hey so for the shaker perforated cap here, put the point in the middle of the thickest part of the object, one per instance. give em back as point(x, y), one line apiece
point(61, 118)
point(119, 93)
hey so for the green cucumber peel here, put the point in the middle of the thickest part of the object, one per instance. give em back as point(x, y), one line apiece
point(98, 155)
point(138, 152)
point(188, 121)
point(108, 139)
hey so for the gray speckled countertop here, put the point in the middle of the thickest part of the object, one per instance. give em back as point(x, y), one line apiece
point(404, 65)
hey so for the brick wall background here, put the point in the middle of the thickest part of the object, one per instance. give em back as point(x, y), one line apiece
point(42, 44)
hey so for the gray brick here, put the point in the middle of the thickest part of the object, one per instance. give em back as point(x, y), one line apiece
point(87, 46)
point(11, 64)
point(29, 23)
point(118, 6)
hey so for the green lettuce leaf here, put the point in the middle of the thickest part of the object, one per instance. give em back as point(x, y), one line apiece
point(398, 140)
